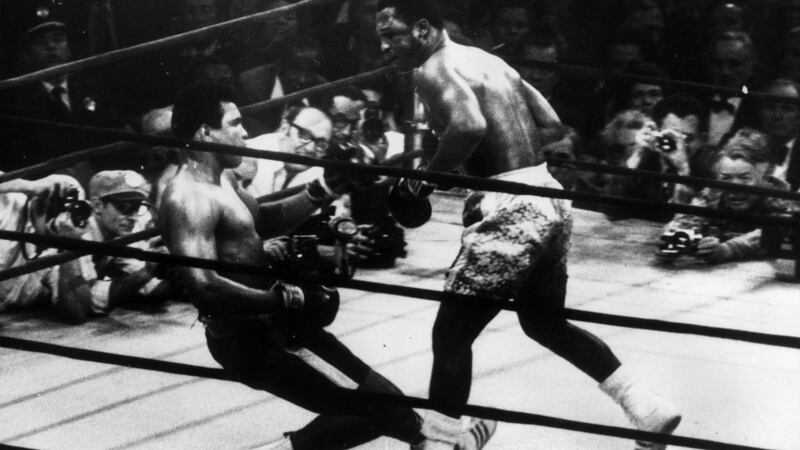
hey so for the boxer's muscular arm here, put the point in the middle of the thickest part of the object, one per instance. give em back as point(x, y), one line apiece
point(544, 114)
point(452, 103)
point(189, 224)
point(281, 216)
point(278, 217)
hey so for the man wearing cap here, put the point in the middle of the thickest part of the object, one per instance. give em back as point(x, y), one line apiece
point(42, 43)
point(120, 207)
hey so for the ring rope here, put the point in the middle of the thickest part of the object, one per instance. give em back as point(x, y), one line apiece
point(314, 90)
point(63, 161)
point(46, 262)
point(79, 156)
point(440, 178)
point(508, 416)
point(201, 33)
point(78, 245)
point(593, 72)
point(140, 49)
point(675, 178)
point(55, 260)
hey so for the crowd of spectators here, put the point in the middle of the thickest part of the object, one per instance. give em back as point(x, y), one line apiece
point(745, 46)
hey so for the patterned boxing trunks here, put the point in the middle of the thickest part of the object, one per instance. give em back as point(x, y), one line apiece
point(506, 236)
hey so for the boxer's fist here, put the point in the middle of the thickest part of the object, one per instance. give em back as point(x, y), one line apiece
point(409, 210)
point(309, 306)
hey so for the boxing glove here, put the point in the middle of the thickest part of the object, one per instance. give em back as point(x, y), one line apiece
point(310, 305)
point(410, 210)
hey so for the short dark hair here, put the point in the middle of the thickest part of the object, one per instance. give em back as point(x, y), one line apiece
point(413, 10)
point(682, 105)
point(199, 104)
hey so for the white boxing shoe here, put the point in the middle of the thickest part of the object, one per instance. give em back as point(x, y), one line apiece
point(477, 434)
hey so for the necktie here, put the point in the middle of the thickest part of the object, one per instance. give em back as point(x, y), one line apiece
point(57, 94)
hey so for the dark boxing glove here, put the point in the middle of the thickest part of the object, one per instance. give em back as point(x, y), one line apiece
point(309, 306)
point(409, 209)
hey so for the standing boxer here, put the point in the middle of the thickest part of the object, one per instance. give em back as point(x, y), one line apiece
point(490, 123)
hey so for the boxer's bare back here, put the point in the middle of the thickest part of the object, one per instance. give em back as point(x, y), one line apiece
point(467, 92)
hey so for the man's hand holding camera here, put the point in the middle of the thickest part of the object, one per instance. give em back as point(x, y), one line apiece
point(62, 225)
point(672, 146)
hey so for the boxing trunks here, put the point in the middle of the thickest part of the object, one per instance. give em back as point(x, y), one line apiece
point(506, 236)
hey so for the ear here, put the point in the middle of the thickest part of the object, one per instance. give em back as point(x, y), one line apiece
point(422, 28)
point(96, 204)
point(202, 133)
point(284, 127)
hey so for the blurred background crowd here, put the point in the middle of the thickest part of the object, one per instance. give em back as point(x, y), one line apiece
point(649, 124)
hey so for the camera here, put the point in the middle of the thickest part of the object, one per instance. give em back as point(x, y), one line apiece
point(676, 242)
point(372, 127)
point(79, 210)
point(665, 143)
point(303, 248)
point(388, 243)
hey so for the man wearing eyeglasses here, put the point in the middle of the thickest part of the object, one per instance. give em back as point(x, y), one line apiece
point(305, 131)
point(120, 207)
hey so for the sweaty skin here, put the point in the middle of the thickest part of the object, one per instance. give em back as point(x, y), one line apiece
point(210, 217)
point(488, 118)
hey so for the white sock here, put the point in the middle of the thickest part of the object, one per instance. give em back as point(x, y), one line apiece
point(645, 410)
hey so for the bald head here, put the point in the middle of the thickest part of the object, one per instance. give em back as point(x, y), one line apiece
point(308, 133)
point(314, 120)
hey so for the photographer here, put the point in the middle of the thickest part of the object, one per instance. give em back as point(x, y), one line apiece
point(120, 207)
point(744, 159)
point(49, 206)
point(305, 131)
point(632, 140)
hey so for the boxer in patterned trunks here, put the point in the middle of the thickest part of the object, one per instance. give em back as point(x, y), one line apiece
point(491, 123)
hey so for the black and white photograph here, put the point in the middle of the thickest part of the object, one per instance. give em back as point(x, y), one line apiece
point(399, 224)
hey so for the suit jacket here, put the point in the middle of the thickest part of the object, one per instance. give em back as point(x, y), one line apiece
point(23, 146)
point(746, 115)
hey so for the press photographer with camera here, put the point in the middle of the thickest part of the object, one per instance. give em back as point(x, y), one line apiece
point(633, 140)
point(52, 206)
point(744, 159)
point(308, 131)
point(120, 206)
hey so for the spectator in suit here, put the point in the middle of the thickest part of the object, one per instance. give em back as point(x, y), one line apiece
point(730, 62)
point(71, 98)
point(682, 118)
point(781, 121)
